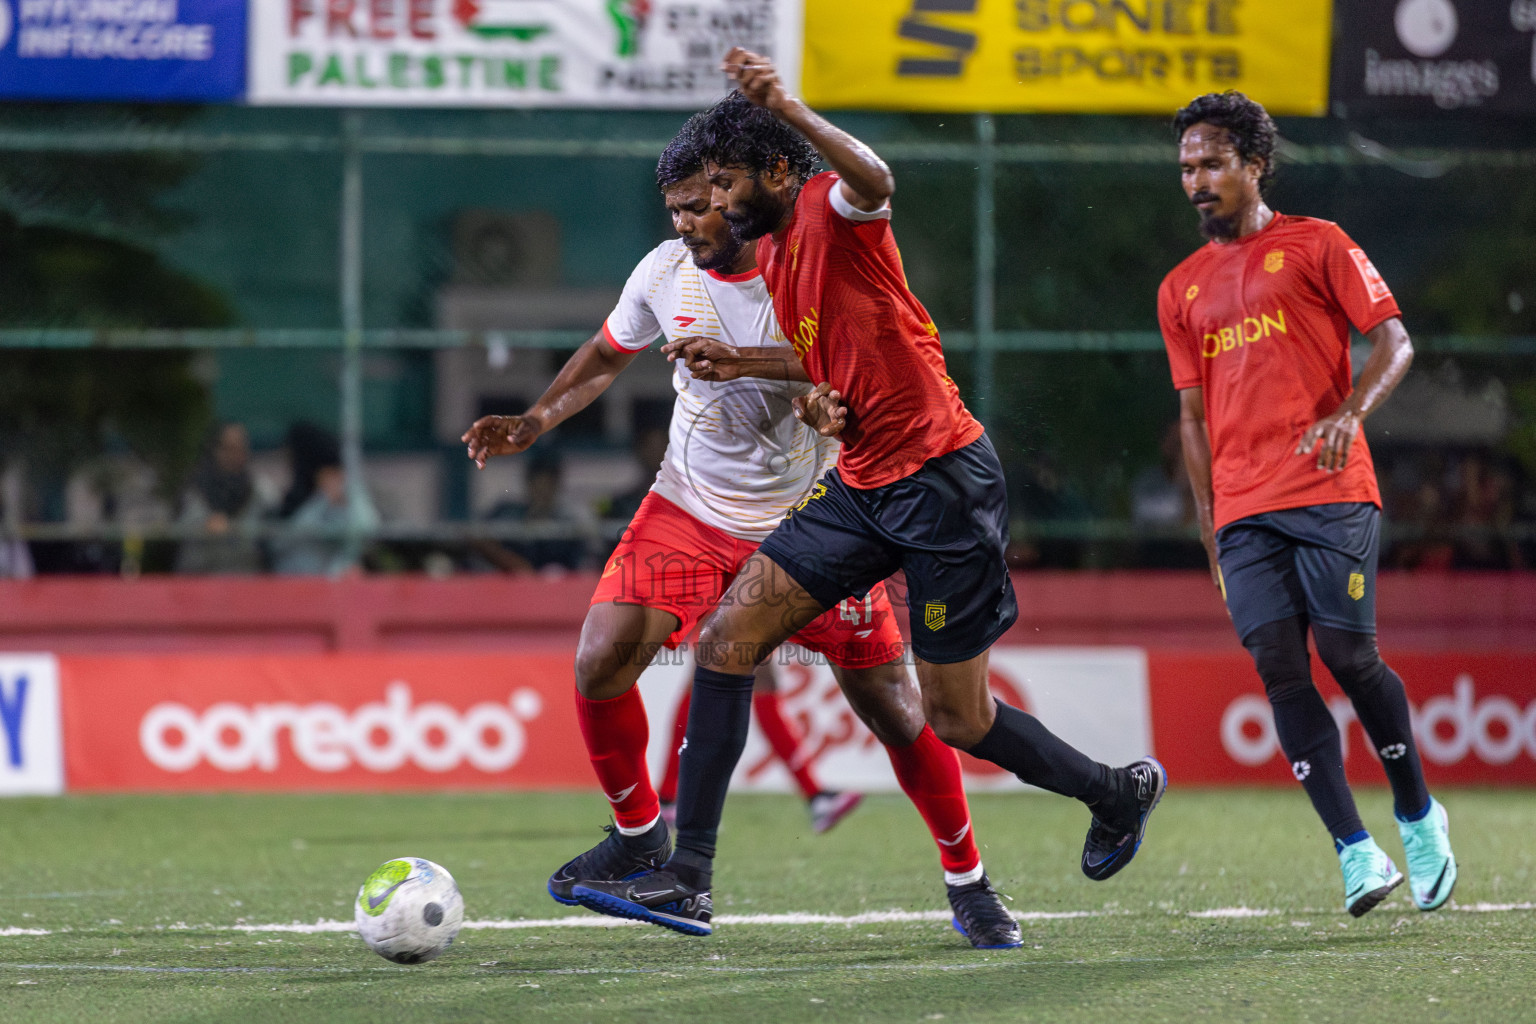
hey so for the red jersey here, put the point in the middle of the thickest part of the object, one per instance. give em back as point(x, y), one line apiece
point(841, 298)
point(1261, 323)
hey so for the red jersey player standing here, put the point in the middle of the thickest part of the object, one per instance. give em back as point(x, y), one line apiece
point(1257, 329)
point(917, 488)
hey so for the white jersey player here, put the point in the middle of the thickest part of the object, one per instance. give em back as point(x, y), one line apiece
point(737, 458)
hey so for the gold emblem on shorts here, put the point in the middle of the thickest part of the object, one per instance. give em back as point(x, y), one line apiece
point(933, 615)
point(1357, 585)
point(1274, 260)
point(1191, 292)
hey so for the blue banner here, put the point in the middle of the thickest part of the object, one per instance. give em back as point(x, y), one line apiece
point(177, 50)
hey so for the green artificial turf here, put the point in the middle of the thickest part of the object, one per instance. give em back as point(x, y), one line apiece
point(140, 895)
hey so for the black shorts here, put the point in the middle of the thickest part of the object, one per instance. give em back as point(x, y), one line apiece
point(1318, 561)
point(946, 525)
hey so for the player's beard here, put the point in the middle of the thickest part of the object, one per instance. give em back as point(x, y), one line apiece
point(1220, 229)
point(724, 255)
point(760, 213)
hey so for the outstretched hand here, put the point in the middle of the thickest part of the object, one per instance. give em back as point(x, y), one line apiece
point(756, 77)
point(706, 358)
point(822, 410)
point(1332, 436)
point(500, 435)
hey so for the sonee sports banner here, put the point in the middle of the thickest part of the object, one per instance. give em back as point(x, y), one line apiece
point(509, 53)
point(1089, 56)
point(1411, 57)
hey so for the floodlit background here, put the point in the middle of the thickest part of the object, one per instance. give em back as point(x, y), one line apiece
point(359, 282)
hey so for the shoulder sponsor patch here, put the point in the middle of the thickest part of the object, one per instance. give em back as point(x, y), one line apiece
point(1191, 292)
point(1368, 273)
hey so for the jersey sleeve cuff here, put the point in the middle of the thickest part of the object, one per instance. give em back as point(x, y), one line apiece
point(848, 211)
point(1376, 321)
point(619, 346)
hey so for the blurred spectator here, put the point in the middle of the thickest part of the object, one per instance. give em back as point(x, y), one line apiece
point(309, 449)
point(1485, 511)
point(225, 502)
point(1163, 507)
point(15, 559)
point(545, 505)
point(319, 489)
point(1160, 495)
point(649, 449)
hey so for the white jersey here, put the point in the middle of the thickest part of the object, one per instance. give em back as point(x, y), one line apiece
point(737, 458)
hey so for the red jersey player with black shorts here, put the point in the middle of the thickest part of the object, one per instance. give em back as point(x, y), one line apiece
point(1256, 324)
point(918, 488)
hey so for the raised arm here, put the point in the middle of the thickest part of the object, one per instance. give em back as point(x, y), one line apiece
point(867, 182)
point(1391, 355)
point(585, 375)
point(1196, 442)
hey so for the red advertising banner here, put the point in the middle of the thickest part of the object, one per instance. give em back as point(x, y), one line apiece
point(1474, 718)
point(296, 722)
point(471, 721)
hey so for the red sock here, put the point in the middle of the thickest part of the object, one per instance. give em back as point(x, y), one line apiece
point(679, 733)
point(616, 733)
point(784, 739)
point(929, 773)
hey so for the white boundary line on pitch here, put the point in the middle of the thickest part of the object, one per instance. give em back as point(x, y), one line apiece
point(848, 920)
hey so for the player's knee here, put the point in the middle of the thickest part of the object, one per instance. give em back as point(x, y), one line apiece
point(602, 670)
point(1351, 658)
point(957, 725)
point(1279, 651)
point(722, 646)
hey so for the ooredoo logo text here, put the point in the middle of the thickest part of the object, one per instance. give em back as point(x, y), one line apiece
point(1448, 728)
point(380, 736)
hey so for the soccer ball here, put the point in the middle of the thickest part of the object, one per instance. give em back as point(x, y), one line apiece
point(409, 910)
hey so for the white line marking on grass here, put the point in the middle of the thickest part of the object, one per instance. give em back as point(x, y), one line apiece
point(326, 926)
point(1494, 908)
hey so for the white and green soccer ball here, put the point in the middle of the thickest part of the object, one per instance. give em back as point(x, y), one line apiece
point(409, 910)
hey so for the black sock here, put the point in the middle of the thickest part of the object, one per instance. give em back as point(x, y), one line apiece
point(718, 720)
point(1381, 704)
point(1303, 724)
point(1020, 743)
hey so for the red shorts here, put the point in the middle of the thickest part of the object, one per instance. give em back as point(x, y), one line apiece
point(670, 561)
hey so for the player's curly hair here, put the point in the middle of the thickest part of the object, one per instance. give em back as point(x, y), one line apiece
point(682, 158)
point(736, 131)
point(1248, 125)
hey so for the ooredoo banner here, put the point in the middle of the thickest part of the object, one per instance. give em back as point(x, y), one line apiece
point(1474, 719)
point(509, 53)
point(415, 721)
point(492, 721)
point(300, 722)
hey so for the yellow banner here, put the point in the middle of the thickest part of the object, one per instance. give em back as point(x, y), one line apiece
point(1059, 56)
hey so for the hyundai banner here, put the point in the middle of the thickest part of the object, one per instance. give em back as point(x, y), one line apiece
point(176, 50)
point(1408, 57)
point(31, 758)
point(510, 53)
